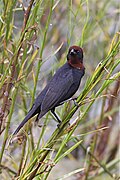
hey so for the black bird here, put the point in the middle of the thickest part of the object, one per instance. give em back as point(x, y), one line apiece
point(60, 88)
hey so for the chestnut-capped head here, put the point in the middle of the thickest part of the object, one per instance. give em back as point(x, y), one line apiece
point(75, 57)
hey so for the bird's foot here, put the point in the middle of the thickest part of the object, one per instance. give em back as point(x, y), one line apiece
point(58, 125)
point(75, 102)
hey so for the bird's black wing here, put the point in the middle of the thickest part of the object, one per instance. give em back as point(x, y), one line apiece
point(58, 88)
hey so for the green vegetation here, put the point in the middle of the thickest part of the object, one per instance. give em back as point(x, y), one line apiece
point(34, 40)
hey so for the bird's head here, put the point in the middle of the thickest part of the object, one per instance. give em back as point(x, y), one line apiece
point(75, 57)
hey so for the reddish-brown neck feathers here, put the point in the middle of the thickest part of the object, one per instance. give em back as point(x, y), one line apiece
point(77, 65)
point(75, 57)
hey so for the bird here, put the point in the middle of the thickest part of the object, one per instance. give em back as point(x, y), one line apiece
point(62, 86)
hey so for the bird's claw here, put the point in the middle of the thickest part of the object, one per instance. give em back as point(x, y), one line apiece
point(75, 102)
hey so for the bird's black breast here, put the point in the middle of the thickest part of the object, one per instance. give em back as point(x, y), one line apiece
point(77, 75)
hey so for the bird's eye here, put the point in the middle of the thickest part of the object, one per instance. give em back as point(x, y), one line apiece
point(78, 52)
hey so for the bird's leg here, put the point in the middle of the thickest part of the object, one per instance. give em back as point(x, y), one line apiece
point(75, 102)
point(71, 99)
point(53, 112)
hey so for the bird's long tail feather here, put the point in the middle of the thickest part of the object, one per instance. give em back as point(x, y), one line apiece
point(30, 114)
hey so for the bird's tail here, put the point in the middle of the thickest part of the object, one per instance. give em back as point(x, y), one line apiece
point(30, 114)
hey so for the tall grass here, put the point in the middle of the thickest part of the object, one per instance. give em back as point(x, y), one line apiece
point(31, 52)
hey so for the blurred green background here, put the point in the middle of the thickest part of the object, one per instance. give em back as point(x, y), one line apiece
point(34, 40)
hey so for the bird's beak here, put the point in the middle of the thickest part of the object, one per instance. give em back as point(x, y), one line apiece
point(72, 52)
